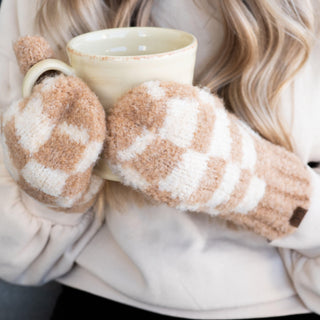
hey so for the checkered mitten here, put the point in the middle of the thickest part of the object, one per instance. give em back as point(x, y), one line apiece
point(52, 139)
point(178, 145)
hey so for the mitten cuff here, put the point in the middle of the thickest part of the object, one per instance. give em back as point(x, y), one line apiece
point(306, 238)
point(276, 198)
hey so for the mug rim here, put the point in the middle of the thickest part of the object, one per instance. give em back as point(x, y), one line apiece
point(191, 45)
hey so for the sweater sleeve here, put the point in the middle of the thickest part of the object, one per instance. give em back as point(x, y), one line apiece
point(36, 244)
point(300, 251)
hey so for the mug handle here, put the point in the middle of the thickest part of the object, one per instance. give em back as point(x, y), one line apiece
point(38, 69)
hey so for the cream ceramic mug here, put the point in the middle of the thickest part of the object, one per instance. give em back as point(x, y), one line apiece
point(112, 61)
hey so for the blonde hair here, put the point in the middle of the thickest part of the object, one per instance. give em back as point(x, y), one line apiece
point(266, 43)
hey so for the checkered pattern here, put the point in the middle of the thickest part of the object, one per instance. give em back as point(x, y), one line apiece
point(178, 144)
point(51, 141)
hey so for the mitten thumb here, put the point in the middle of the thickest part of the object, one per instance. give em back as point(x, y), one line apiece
point(29, 50)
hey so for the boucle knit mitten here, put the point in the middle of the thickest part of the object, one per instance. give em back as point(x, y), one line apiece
point(52, 139)
point(178, 145)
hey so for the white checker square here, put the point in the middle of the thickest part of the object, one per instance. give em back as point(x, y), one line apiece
point(74, 133)
point(154, 90)
point(45, 179)
point(186, 176)
point(230, 179)
point(221, 141)
point(181, 121)
point(32, 126)
point(89, 156)
point(137, 147)
point(249, 155)
point(252, 197)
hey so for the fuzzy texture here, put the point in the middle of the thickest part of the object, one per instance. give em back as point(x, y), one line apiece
point(52, 139)
point(178, 145)
point(31, 49)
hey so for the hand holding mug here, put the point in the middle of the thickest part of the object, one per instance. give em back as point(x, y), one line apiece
point(113, 61)
point(52, 138)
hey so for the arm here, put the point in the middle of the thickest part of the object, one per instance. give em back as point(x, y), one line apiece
point(161, 122)
point(37, 243)
point(180, 146)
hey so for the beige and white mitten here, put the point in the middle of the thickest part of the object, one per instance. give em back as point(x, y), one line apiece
point(179, 145)
point(52, 139)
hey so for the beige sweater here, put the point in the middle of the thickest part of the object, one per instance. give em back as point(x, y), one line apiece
point(158, 258)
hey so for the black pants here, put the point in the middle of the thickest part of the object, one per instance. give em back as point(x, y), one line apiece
point(76, 304)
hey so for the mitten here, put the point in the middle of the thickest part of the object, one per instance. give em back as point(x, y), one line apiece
point(179, 145)
point(52, 139)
